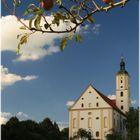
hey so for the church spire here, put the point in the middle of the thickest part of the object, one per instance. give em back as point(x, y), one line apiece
point(122, 64)
point(122, 69)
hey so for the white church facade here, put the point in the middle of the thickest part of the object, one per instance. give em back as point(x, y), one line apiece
point(98, 114)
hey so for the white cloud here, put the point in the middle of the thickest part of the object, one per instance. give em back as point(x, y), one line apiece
point(96, 29)
point(112, 97)
point(22, 116)
point(63, 125)
point(8, 79)
point(69, 103)
point(38, 46)
point(133, 102)
point(5, 116)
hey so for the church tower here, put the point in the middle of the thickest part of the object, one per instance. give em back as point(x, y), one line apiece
point(123, 88)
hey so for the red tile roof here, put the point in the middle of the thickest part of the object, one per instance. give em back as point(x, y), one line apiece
point(110, 102)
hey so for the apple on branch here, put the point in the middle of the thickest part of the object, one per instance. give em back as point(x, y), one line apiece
point(107, 1)
point(47, 4)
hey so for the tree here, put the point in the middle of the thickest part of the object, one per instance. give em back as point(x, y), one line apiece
point(50, 130)
point(72, 13)
point(114, 136)
point(65, 134)
point(132, 123)
point(30, 130)
point(83, 134)
point(132, 126)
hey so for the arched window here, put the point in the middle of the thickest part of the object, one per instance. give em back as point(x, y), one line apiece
point(121, 94)
point(97, 104)
point(105, 122)
point(89, 122)
point(122, 107)
point(82, 105)
point(97, 133)
point(74, 123)
point(114, 123)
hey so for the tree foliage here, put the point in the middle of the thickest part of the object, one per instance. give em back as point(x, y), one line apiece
point(114, 136)
point(31, 130)
point(132, 126)
point(83, 134)
point(132, 123)
point(73, 13)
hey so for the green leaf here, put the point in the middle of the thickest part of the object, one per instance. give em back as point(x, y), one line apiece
point(31, 21)
point(23, 40)
point(63, 43)
point(90, 19)
point(37, 22)
point(78, 38)
point(18, 35)
point(31, 6)
point(71, 35)
point(23, 28)
point(28, 11)
point(16, 3)
point(59, 2)
point(38, 12)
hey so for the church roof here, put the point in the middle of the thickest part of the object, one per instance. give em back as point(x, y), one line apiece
point(122, 68)
point(109, 101)
point(112, 103)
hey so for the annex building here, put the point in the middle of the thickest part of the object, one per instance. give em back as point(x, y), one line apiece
point(98, 114)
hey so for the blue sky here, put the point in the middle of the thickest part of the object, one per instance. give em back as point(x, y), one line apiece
point(63, 76)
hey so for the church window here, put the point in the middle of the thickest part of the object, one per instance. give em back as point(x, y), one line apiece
point(82, 105)
point(97, 104)
point(120, 125)
point(97, 133)
point(96, 97)
point(97, 118)
point(82, 118)
point(89, 113)
point(89, 122)
point(122, 107)
point(82, 98)
point(121, 100)
point(121, 94)
point(74, 123)
point(121, 86)
point(89, 91)
point(121, 81)
point(105, 122)
point(114, 123)
point(89, 105)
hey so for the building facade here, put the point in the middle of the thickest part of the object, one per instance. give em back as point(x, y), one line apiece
point(97, 113)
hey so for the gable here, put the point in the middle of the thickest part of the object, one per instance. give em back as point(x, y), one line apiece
point(89, 99)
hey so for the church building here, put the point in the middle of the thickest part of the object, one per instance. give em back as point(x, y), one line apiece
point(98, 114)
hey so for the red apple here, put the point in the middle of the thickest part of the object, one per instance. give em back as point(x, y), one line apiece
point(107, 1)
point(47, 4)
